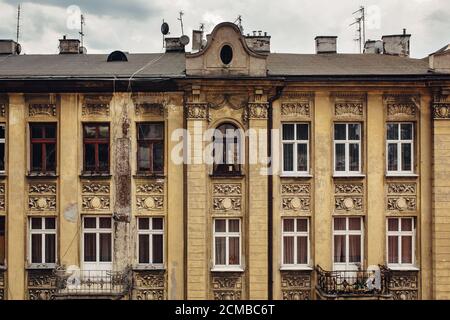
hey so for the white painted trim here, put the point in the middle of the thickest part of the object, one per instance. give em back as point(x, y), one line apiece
point(400, 234)
point(347, 142)
point(150, 232)
point(227, 235)
point(296, 234)
point(295, 142)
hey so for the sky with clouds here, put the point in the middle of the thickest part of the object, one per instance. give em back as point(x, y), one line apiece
point(134, 25)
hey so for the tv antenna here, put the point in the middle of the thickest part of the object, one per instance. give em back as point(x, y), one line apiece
point(82, 31)
point(360, 20)
point(181, 22)
point(18, 23)
point(238, 22)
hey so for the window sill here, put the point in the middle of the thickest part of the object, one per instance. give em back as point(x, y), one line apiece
point(296, 268)
point(349, 175)
point(295, 175)
point(145, 267)
point(405, 268)
point(149, 175)
point(95, 175)
point(49, 266)
point(227, 176)
point(401, 175)
point(42, 175)
point(227, 269)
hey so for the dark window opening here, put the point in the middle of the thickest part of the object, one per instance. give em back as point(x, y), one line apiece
point(150, 147)
point(43, 147)
point(2, 242)
point(96, 147)
point(226, 54)
point(2, 147)
point(227, 150)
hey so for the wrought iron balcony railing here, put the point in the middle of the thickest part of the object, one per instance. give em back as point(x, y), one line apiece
point(93, 282)
point(353, 283)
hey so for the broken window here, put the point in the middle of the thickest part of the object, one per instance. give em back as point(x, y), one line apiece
point(42, 241)
point(43, 147)
point(150, 147)
point(150, 241)
point(2, 242)
point(227, 150)
point(2, 147)
point(96, 147)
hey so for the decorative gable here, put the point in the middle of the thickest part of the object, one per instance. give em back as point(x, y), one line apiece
point(226, 54)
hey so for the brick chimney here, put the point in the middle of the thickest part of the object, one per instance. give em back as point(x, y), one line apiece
point(69, 46)
point(9, 47)
point(326, 44)
point(396, 44)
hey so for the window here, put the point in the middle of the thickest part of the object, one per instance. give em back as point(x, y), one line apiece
point(2, 242)
point(42, 241)
point(400, 147)
point(150, 241)
point(400, 242)
point(227, 150)
point(347, 148)
point(348, 242)
point(295, 141)
point(96, 147)
point(227, 243)
point(43, 147)
point(295, 242)
point(226, 54)
point(2, 147)
point(150, 147)
point(97, 239)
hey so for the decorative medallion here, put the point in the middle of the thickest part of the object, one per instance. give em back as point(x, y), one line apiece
point(42, 197)
point(42, 109)
point(348, 197)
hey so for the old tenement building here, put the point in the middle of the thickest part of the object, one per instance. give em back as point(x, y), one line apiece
point(94, 202)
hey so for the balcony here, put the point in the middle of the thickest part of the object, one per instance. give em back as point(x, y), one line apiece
point(93, 284)
point(358, 284)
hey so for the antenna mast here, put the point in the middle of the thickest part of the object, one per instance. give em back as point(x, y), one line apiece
point(82, 31)
point(238, 22)
point(361, 22)
point(181, 22)
point(18, 23)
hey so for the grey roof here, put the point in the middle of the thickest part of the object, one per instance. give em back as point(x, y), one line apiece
point(92, 65)
point(344, 64)
point(172, 64)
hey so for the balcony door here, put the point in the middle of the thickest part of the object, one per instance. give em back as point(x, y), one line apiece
point(347, 243)
point(97, 244)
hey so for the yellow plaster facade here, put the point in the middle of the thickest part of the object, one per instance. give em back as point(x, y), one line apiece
point(190, 197)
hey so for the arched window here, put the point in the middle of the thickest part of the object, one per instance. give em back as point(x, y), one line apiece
point(227, 150)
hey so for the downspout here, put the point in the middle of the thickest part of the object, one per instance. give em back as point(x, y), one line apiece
point(279, 91)
point(185, 199)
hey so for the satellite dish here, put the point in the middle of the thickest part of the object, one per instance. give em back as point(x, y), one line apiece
point(184, 40)
point(18, 48)
point(165, 28)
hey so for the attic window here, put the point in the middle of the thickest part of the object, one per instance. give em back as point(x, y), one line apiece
point(117, 56)
point(226, 54)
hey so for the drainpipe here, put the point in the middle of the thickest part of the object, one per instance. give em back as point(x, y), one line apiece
point(279, 91)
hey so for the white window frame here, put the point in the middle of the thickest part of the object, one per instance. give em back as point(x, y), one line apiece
point(97, 231)
point(150, 232)
point(295, 143)
point(347, 233)
point(227, 235)
point(296, 234)
point(3, 141)
point(401, 234)
point(346, 143)
point(42, 232)
point(399, 143)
